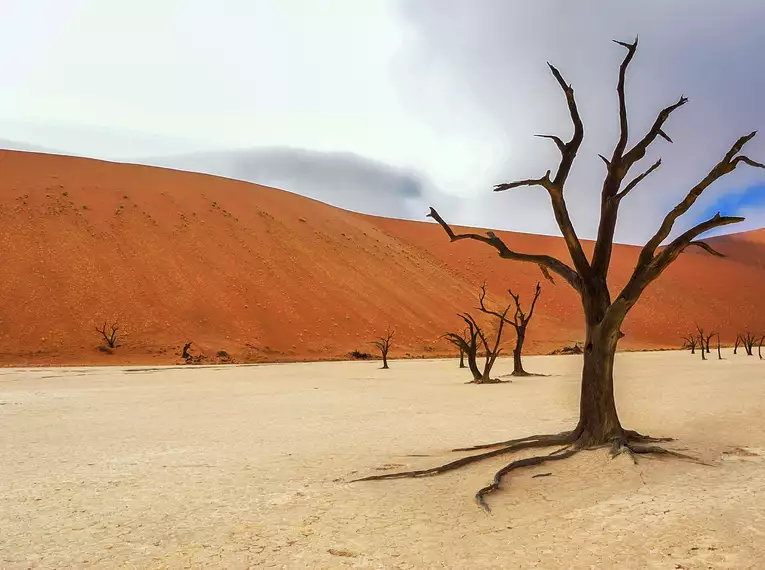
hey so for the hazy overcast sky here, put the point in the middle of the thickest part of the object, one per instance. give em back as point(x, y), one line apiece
point(451, 89)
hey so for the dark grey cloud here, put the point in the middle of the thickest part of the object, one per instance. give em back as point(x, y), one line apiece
point(341, 179)
point(489, 56)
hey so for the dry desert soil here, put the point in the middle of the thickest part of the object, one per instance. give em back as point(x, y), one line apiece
point(249, 467)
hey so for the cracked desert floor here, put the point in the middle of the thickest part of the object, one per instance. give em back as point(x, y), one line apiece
point(248, 467)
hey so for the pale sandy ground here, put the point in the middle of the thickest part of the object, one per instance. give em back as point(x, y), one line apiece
point(237, 467)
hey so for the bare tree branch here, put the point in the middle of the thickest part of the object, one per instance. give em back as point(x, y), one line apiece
point(557, 140)
point(706, 247)
point(725, 166)
point(645, 274)
point(638, 180)
point(623, 123)
point(543, 261)
point(544, 182)
point(638, 151)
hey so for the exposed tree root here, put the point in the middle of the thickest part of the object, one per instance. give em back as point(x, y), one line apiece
point(633, 449)
point(521, 445)
point(517, 464)
point(561, 438)
point(635, 436)
point(631, 443)
point(490, 381)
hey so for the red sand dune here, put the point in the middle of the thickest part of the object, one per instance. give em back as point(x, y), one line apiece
point(267, 275)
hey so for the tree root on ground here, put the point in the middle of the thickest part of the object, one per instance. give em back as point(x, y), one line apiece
point(630, 442)
point(491, 381)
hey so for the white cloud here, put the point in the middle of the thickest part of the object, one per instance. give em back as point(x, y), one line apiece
point(454, 89)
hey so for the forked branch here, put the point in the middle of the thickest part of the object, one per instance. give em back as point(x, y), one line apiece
point(725, 166)
point(555, 185)
point(545, 262)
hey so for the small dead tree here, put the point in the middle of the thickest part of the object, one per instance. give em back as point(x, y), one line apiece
point(185, 354)
point(467, 343)
point(704, 340)
point(460, 341)
point(520, 322)
point(598, 423)
point(690, 342)
point(748, 341)
point(490, 352)
point(110, 336)
point(719, 352)
point(759, 347)
point(701, 342)
point(383, 345)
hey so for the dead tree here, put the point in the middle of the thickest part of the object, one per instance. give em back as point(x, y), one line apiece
point(111, 336)
point(185, 354)
point(383, 345)
point(491, 353)
point(704, 340)
point(467, 342)
point(707, 340)
point(738, 341)
point(719, 352)
point(599, 422)
point(759, 347)
point(748, 341)
point(690, 342)
point(520, 322)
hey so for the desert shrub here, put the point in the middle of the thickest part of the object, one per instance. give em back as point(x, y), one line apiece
point(356, 355)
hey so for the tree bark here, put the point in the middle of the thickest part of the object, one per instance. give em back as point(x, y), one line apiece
point(598, 419)
point(517, 351)
point(385, 361)
point(472, 364)
point(462, 358)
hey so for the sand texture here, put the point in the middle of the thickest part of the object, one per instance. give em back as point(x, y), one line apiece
point(248, 467)
point(267, 275)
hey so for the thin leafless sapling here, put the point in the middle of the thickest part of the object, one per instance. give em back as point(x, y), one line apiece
point(467, 343)
point(704, 340)
point(520, 322)
point(383, 345)
point(110, 335)
point(599, 423)
point(747, 340)
point(690, 342)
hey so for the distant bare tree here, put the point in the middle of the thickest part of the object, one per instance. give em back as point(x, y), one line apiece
point(690, 342)
point(185, 354)
point(383, 344)
point(519, 322)
point(748, 341)
point(111, 336)
point(759, 347)
point(719, 353)
point(701, 342)
point(466, 342)
point(490, 352)
point(704, 340)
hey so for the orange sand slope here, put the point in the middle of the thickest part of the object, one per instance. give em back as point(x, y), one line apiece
point(268, 275)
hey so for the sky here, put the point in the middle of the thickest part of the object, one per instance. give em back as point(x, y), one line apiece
point(390, 106)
